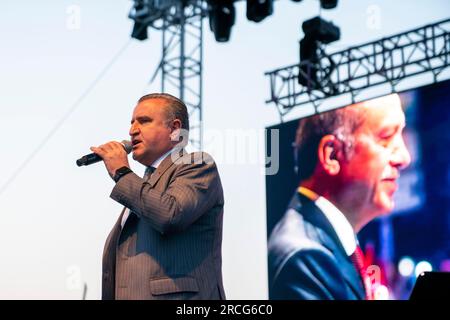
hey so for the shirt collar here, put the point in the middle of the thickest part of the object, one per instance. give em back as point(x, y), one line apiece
point(336, 218)
point(160, 159)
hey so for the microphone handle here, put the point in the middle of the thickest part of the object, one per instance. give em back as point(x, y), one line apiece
point(88, 159)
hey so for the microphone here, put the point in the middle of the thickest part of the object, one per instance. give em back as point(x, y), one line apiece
point(94, 158)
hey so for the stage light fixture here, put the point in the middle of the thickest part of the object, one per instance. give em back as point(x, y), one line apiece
point(308, 52)
point(258, 10)
point(222, 16)
point(328, 4)
point(139, 31)
point(321, 30)
point(316, 31)
point(138, 13)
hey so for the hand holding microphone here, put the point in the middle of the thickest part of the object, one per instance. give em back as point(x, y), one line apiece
point(94, 157)
point(114, 155)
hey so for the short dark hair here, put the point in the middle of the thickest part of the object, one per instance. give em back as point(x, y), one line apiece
point(341, 122)
point(176, 108)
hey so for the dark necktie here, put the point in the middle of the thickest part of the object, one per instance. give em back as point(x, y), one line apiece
point(148, 172)
point(357, 258)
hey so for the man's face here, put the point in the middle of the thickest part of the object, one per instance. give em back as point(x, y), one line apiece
point(150, 132)
point(369, 177)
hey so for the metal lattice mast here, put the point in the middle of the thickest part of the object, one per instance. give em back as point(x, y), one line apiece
point(182, 60)
point(182, 51)
point(181, 23)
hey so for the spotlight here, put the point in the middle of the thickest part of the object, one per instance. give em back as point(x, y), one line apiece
point(316, 31)
point(308, 52)
point(138, 13)
point(258, 10)
point(139, 31)
point(222, 15)
point(321, 30)
point(328, 4)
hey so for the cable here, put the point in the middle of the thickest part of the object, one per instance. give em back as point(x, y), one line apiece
point(64, 118)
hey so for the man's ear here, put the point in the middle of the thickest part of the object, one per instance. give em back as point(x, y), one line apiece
point(176, 127)
point(328, 151)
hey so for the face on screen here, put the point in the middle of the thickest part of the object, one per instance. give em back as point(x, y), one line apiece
point(379, 153)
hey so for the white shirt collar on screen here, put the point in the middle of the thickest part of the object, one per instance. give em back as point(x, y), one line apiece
point(336, 218)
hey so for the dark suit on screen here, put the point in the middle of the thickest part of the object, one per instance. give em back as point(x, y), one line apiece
point(306, 258)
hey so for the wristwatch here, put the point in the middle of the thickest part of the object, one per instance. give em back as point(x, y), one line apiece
point(121, 172)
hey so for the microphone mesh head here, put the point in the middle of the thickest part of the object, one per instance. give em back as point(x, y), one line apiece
point(127, 145)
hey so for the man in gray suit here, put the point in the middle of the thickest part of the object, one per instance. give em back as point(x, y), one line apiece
point(167, 241)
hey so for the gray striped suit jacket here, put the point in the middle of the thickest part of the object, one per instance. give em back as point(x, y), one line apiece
point(170, 245)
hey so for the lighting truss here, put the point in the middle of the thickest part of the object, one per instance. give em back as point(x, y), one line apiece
point(352, 71)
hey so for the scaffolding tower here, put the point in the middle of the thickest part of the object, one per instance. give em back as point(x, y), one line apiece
point(182, 52)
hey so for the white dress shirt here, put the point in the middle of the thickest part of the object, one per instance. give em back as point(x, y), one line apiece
point(336, 218)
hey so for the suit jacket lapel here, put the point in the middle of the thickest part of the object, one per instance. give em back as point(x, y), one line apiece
point(165, 164)
point(315, 216)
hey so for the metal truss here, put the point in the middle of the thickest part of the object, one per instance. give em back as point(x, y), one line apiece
point(351, 71)
point(182, 54)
